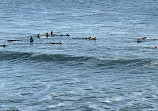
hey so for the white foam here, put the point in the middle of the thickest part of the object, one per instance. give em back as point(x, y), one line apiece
point(47, 97)
point(16, 95)
point(119, 98)
point(51, 106)
point(93, 106)
point(154, 62)
point(107, 101)
point(114, 99)
point(154, 96)
point(55, 106)
point(138, 93)
point(35, 54)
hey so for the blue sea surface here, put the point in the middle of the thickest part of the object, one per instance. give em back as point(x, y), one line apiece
point(111, 73)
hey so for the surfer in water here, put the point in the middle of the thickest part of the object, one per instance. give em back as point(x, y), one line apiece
point(139, 40)
point(38, 35)
point(156, 47)
point(144, 37)
point(31, 39)
point(47, 34)
point(10, 40)
point(4, 45)
point(56, 42)
point(90, 38)
point(65, 35)
point(52, 33)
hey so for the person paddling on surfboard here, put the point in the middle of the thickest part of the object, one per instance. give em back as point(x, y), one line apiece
point(4, 45)
point(156, 47)
point(56, 42)
point(47, 34)
point(52, 33)
point(38, 35)
point(31, 39)
point(144, 37)
point(10, 40)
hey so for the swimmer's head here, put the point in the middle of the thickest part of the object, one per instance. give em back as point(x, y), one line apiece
point(156, 47)
point(144, 37)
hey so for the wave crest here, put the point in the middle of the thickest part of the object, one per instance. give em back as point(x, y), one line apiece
point(61, 58)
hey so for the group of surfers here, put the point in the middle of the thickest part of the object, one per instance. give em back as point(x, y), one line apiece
point(143, 38)
point(47, 34)
point(51, 34)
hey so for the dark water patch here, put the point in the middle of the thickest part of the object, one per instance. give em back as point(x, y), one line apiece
point(27, 94)
point(123, 62)
point(137, 106)
point(15, 100)
point(13, 109)
point(79, 60)
point(14, 55)
point(87, 108)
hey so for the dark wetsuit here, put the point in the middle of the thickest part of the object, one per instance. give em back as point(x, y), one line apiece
point(64, 35)
point(9, 40)
point(47, 34)
point(31, 39)
point(56, 43)
point(38, 35)
point(4, 45)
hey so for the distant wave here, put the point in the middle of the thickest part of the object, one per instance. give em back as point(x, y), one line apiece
point(123, 62)
point(61, 58)
point(9, 55)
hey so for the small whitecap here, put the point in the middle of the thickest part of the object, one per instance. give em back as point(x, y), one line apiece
point(102, 58)
point(143, 99)
point(118, 98)
point(93, 106)
point(51, 106)
point(154, 96)
point(16, 95)
point(35, 54)
point(114, 99)
point(47, 97)
point(116, 58)
point(154, 87)
point(53, 95)
point(154, 62)
point(55, 106)
point(106, 26)
point(107, 101)
point(138, 93)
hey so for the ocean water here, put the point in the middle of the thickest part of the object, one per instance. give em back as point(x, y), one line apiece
point(112, 73)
